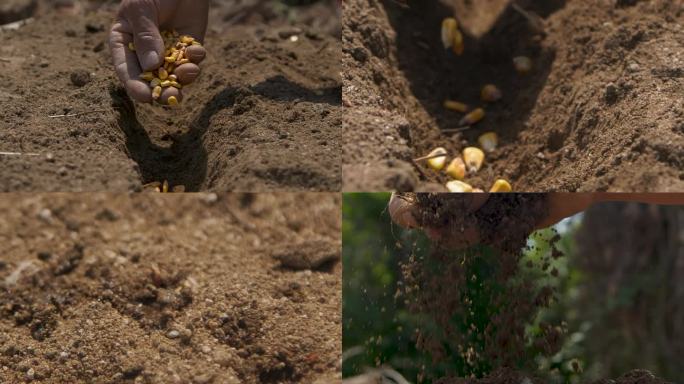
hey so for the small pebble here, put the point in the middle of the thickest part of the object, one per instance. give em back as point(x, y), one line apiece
point(45, 214)
point(80, 77)
point(50, 157)
point(173, 334)
point(62, 171)
point(30, 374)
point(634, 67)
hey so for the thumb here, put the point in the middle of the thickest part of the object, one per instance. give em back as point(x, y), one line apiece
point(149, 45)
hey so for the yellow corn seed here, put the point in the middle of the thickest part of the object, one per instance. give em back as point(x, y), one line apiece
point(437, 163)
point(131, 46)
point(522, 64)
point(473, 117)
point(172, 101)
point(459, 47)
point(449, 26)
point(169, 68)
point(173, 77)
point(166, 83)
point(156, 92)
point(147, 76)
point(455, 106)
point(184, 61)
point(171, 58)
point(196, 43)
point(187, 39)
point(490, 93)
point(456, 186)
point(456, 169)
point(477, 190)
point(165, 187)
point(488, 141)
point(501, 185)
point(176, 84)
point(163, 73)
point(474, 158)
point(155, 82)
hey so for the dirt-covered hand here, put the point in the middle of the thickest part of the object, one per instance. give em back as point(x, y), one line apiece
point(140, 22)
point(403, 212)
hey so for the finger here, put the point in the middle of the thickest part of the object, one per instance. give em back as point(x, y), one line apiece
point(149, 45)
point(196, 53)
point(126, 63)
point(401, 211)
point(187, 73)
point(168, 92)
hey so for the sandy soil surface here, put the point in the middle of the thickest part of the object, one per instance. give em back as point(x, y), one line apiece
point(264, 115)
point(200, 288)
point(601, 110)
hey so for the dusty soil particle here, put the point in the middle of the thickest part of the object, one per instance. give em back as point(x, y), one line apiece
point(201, 281)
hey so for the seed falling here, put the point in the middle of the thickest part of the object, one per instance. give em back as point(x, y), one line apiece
point(456, 169)
point(501, 185)
point(452, 38)
point(522, 64)
point(474, 158)
point(156, 92)
point(490, 93)
point(488, 141)
point(456, 186)
point(456, 106)
point(473, 117)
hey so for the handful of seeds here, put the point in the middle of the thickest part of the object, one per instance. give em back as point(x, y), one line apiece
point(166, 81)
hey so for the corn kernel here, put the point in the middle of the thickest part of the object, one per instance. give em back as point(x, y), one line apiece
point(490, 93)
point(522, 64)
point(455, 106)
point(456, 186)
point(171, 58)
point(187, 39)
point(477, 190)
point(172, 100)
point(451, 36)
point(196, 43)
point(448, 26)
point(473, 117)
point(175, 84)
point(131, 46)
point(155, 82)
point(165, 187)
point(501, 186)
point(156, 92)
point(456, 169)
point(488, 141)
point(173, 77)
point(473, 157)
point(147, 76)
point(181, 62)
point(163, 73)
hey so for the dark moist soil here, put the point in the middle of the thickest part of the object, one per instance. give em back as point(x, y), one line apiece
point(264, 115)
point(602, 109)
point(182, 289)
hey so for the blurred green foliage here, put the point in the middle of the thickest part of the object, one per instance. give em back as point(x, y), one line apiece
point(377, 328)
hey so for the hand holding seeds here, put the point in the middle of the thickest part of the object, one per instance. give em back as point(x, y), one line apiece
point(144, 56)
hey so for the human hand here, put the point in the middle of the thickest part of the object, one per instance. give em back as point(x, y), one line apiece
point(140, 22)
point(404, 212)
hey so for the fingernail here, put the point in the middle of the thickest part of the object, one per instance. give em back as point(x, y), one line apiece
point(150, 60)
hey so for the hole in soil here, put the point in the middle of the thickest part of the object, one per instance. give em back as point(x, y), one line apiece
point(184, 162)
point(435, 74)
point(182, 159)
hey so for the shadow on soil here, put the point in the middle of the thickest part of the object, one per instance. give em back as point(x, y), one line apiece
point(185, 162)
